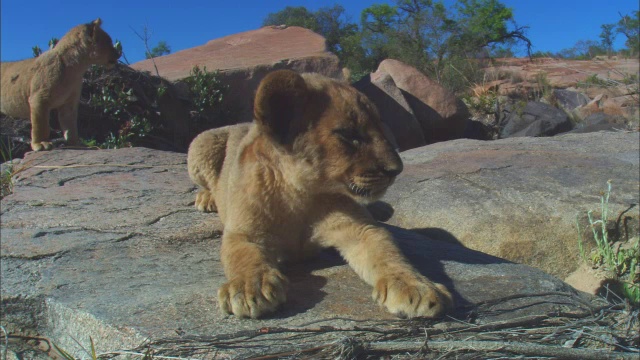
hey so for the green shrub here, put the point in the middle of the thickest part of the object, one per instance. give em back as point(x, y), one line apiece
point(542, 88)
point(115, 101)
point(483, 104)
point(206, 89)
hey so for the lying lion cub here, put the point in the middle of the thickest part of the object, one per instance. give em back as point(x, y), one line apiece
point(32, 88)
point(294, 181)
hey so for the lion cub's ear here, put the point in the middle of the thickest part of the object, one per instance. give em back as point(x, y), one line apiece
point(279, 100)
point(93, 26)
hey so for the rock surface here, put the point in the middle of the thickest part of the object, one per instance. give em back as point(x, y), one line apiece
point(600, 121)
point(566, 73)
point(244, 59)
point(394, 110)
point(441, 115)
point(519, 198)
point(107, 243)
point(569, 99)
point(267, 46)
point(535, 119)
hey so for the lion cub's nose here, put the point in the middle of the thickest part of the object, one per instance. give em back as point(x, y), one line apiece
point(392, 170)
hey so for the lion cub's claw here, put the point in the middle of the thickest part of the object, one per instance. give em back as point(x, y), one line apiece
point(409, 296)
point(41, 145)
point(205, 201)
point(253, 295)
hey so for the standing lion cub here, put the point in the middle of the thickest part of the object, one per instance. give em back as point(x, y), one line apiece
point(32, 88)
point(293, 182)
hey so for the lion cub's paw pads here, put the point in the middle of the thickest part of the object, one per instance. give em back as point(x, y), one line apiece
point(42, 145)
point(254, 294)
point(408, 297)
point(205, 201)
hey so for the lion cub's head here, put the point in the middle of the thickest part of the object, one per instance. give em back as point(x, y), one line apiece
point(332, 127)
point(94, 41)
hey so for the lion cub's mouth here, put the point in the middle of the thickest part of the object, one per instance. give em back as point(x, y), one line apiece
point(359, 191)
point(369, 191)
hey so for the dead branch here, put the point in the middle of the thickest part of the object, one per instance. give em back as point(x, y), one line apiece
point(517, 348)
point(145, 39)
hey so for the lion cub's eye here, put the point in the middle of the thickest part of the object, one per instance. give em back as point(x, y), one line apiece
point(348, 136)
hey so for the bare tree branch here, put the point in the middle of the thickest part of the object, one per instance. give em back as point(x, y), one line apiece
point(145, 39)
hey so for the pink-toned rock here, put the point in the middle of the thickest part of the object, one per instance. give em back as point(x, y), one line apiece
point(244, 59)
point(441, 115)
point(394, 110)
point(267, 46)
point(562, 73)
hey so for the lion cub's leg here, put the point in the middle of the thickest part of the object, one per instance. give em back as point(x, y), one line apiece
point(39, 125)
point(255, 286)
point(204, 161)
point(68, 117)
point(372, 253)
point(205, 201)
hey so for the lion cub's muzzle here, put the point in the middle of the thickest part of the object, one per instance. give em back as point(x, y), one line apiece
point(371, 186)
point(113, 59)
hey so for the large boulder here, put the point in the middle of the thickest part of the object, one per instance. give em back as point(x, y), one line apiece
point(569, 99)
point(108, 244)
point(519, 198)
point(244, 59)
point(535, 119)
point(600, 121)
point(394, 110)
point(441, 115)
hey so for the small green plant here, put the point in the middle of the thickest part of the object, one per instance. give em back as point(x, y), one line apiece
point(592, 81)
point(630, 79)
point(621, 263)
point(137, 127)
point(206, 88)
point(542, 88)
point(6, 176)
point(66, 356)
point(89, 142)
point(52, 43)
point(118, 46)
point(36, 51)
point(516, 78)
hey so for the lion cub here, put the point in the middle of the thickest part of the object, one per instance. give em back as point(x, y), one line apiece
point(294, 181)
point(32, 88)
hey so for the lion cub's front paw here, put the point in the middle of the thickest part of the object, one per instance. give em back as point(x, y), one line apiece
point(253, 294)
point(41, 145)
point(410, 296)
point(205, 201)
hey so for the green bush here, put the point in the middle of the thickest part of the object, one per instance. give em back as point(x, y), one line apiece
point(482, 104)
point(116, 100)
point(206, 89)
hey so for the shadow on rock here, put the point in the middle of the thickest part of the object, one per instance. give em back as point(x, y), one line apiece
point(305, 288)
point(380, 210)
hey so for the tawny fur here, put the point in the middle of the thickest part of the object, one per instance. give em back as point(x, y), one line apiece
point(295, 181)
point(32, 88)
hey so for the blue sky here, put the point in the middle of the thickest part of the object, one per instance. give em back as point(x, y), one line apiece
point(554, 24)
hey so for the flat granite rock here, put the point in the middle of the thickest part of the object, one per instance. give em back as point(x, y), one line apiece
point(107, 244)
point(520, 198)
